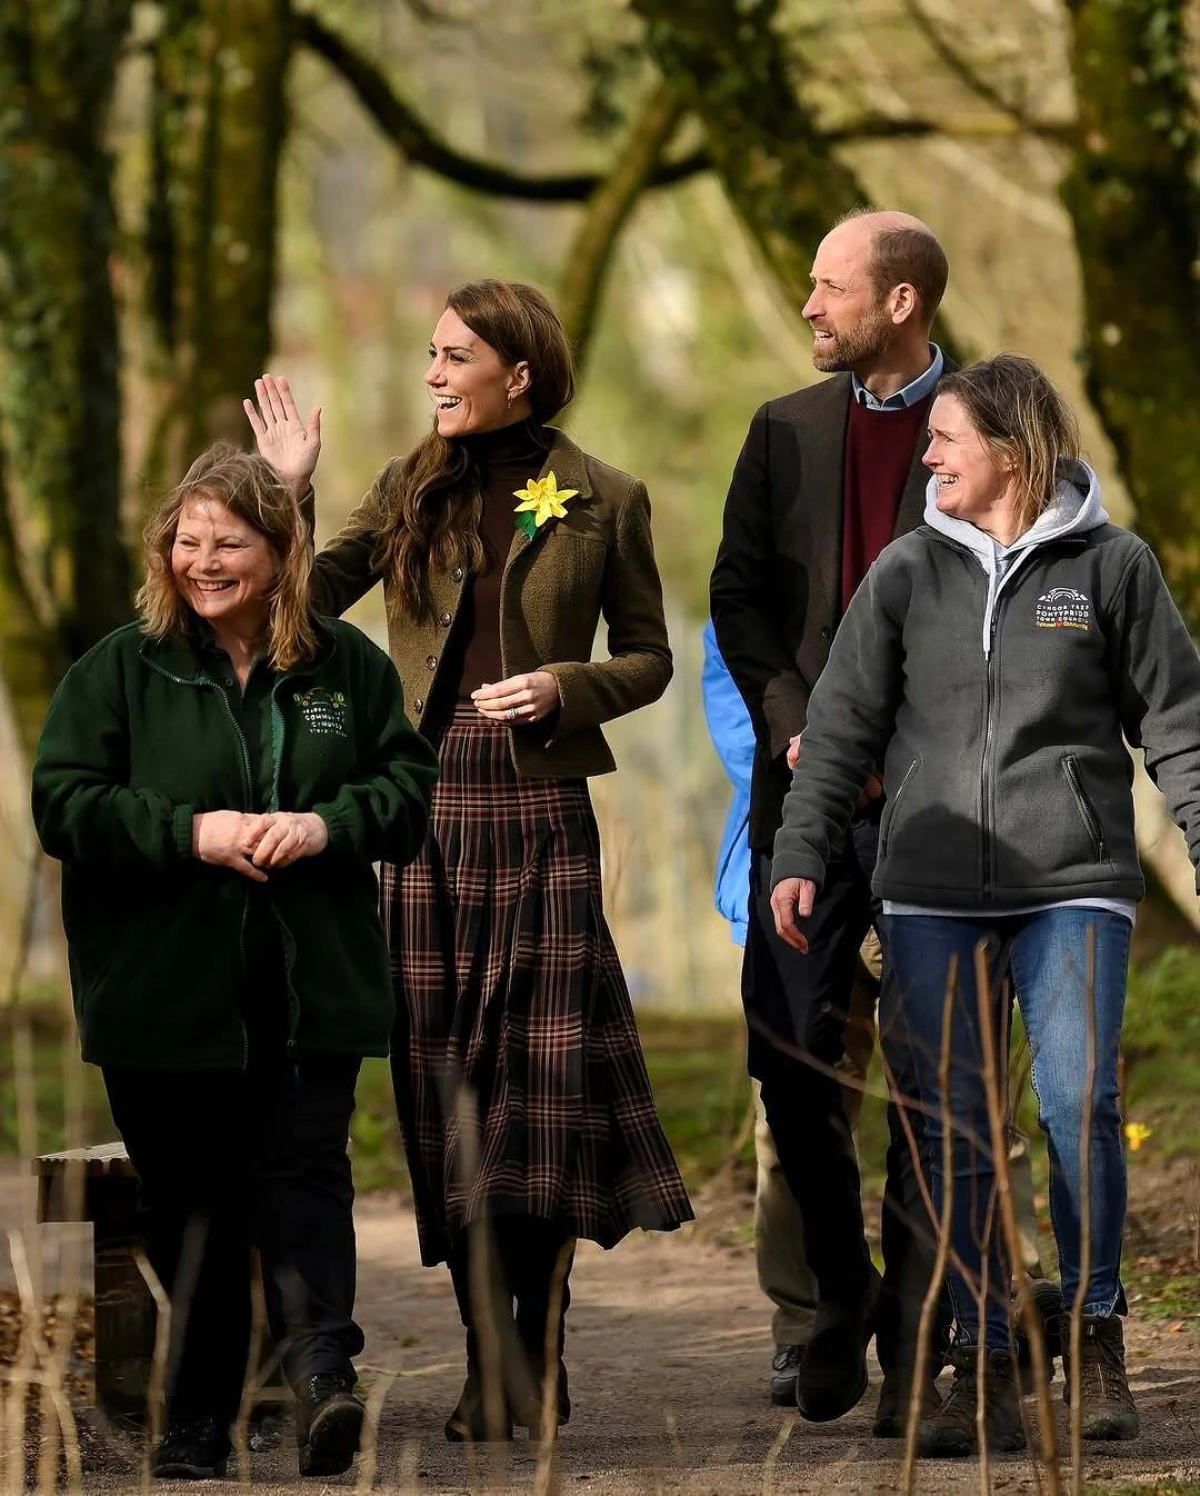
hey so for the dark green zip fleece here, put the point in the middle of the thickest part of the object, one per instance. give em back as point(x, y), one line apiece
point(139, 738)
point(1007, 778)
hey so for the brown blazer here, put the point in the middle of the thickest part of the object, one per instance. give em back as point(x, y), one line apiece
point(776, 589)
point(598, 560)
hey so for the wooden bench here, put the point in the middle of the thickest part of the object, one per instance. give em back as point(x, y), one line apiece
point(99, 1185)
point(106, 1195)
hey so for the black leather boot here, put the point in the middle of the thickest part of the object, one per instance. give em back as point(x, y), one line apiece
point(329, 1421)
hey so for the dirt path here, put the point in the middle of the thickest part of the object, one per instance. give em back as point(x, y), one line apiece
point(668, 1350)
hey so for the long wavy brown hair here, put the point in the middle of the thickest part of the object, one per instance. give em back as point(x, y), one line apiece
point(250, 488)
point(432, 498)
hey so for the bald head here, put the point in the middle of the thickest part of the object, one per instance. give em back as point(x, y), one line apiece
point(896, 249)
point(877, 281)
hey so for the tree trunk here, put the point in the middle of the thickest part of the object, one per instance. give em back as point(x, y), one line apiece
point(218, 126)
point(65, 576)
point(1134, 203)
point(781, 175)
point(59, 370)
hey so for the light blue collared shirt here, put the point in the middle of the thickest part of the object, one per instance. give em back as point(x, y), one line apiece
point(911, 394)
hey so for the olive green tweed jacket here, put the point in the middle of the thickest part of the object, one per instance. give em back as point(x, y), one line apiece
point(597, 561)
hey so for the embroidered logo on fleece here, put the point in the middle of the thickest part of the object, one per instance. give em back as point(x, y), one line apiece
point(1063, 608)
point(324, 711)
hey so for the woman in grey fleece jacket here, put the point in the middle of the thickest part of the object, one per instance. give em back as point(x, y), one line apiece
point(995, 662)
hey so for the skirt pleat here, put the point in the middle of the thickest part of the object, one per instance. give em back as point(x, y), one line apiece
point(520, 1081)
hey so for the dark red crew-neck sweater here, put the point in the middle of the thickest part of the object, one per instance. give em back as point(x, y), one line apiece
point(879, 453)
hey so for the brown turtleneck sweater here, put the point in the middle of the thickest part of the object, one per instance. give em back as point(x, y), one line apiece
point(506, 460)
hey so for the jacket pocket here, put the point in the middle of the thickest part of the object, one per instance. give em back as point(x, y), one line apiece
point(1087, 811)
point(893, 809)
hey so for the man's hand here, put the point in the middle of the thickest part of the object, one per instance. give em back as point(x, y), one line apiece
point(289, 836)
point(793, 752)
point(228, 838)
point(290, 444)
point(873, 790)
point(793, 899)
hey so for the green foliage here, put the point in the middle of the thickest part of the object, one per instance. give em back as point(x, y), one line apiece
point(1164, 1297)
point(1161, 1047)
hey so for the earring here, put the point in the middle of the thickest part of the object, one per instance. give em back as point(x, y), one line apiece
point(509, 397)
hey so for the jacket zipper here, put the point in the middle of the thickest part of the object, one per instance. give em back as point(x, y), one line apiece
point(989, 744)
point(912, 768)
point(289, 942)
point(248, 788)
point(1090, 819)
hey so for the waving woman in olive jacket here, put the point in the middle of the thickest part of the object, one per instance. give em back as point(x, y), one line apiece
point(217, 780)
point(522, 1091)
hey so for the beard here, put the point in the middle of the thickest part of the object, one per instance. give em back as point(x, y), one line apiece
point(853, 346)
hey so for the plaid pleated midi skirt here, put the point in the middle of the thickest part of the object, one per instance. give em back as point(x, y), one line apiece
point(520, 1082)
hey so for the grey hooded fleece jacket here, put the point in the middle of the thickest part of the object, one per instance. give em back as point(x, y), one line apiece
point(997, 707)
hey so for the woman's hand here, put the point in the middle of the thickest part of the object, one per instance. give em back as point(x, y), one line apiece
point(289, 445)
point(520, 699)
point(228, 838)
point(289, 836)
point(793, 899)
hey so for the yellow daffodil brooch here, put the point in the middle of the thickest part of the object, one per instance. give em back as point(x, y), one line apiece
point(541, 500)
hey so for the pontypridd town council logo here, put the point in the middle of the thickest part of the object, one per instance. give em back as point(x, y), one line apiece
point(1063, 608)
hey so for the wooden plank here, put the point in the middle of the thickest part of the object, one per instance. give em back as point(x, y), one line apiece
point(106, 1158)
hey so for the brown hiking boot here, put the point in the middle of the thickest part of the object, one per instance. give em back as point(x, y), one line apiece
point(1106, 1403)
point(952, 1429)
point(891, 1414)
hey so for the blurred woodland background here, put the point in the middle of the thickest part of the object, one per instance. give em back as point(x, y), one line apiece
point(194, 190)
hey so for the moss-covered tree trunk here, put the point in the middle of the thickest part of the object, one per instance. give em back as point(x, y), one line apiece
point(1132, 195)
point(218, 125)
point(64, 571)
point(782, 176)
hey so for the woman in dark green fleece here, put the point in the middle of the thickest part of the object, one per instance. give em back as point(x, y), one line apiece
point(217, 780)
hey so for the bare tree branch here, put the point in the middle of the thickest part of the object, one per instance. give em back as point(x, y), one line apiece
point(401, 124)
point(999, 126)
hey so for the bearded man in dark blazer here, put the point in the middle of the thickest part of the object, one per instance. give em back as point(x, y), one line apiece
point(826, 478)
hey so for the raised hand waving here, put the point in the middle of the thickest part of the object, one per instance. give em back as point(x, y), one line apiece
point(289, 444)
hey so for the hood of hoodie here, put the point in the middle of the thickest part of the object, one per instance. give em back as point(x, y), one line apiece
point(1076, 508)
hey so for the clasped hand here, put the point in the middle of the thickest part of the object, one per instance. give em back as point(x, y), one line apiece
point(250, 843)
point(520, 698)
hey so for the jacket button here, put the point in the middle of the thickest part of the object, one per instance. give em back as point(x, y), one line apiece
point(827, 632)
point(457, 574)
point(447, 620)
point(419, 704)
point(431, 662)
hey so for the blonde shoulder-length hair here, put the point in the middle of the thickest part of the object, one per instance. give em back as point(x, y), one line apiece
point(1023, 419)
point(249, 487)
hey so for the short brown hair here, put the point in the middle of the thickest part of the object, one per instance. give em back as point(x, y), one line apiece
point(250, 488)
point(906, 256)
point(1020, 416)
point(433, 498)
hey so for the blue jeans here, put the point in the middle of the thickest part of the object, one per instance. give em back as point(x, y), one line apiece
point(1045, 959)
